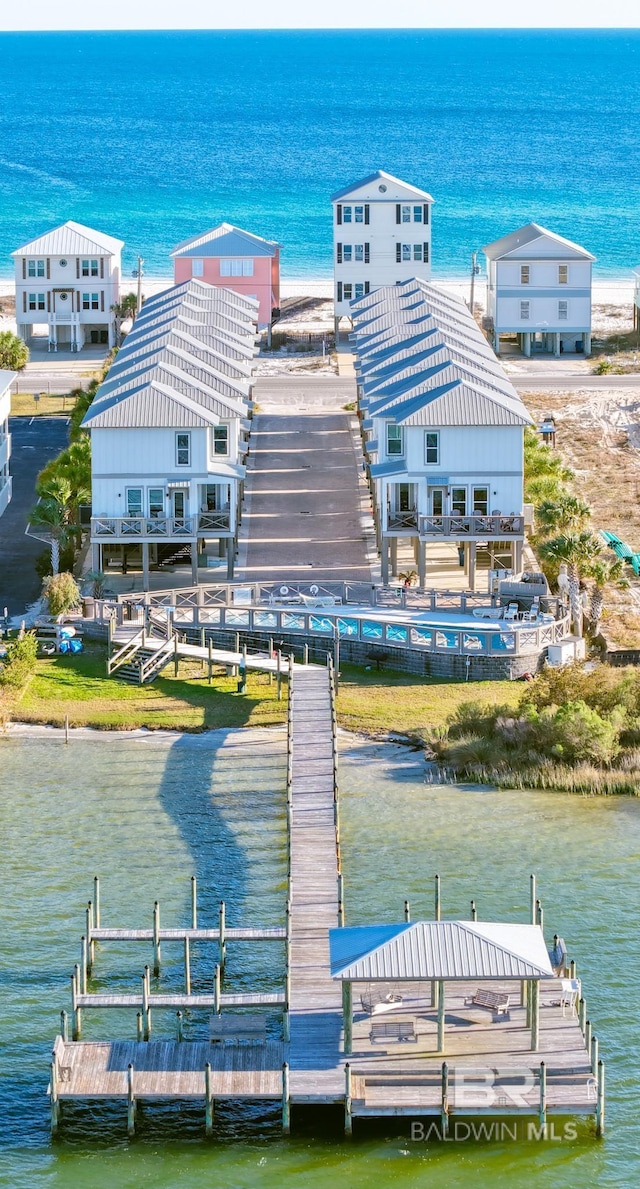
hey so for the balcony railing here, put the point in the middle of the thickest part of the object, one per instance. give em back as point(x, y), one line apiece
point(145, 528)
point(496, 527)
point(397, 521)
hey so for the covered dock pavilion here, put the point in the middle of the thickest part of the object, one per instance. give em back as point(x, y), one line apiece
point(437, 953)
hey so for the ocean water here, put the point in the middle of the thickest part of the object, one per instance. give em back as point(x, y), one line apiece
point(148, 812)
point(154, 137)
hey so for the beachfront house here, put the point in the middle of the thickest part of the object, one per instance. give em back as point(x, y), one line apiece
point(67, 280)
point(6, 380)
point(381, 235)
point(169, 428)
point(231, 258)
point(539, 289)
point(443, 431)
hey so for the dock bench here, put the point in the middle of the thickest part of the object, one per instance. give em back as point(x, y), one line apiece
point(400, 1031)
point(494, 1001)
point(232, 1029)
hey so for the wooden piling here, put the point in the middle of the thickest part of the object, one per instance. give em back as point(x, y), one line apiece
point(187, 966)
point(286, 1018)
point(347, 1016)
point(286, 1100)
point(340, 899)
point(572, 969)
point(474, 912)
point(96, 900)
point(194, 902)
point(600, 1100)
point(55, 1102)
point(407, 911)
point(208, 1098)
point(64, 1026)
point(146, 1010)
point(83, 965)
point(210, 673)
point(542, 1107)
point(270, 658)
point(437, 898)
point(441, 1014)
point(176, 658)
point(588, 1032)
point(131, 1103)
point(444, 1103)
point(222, 944)
point(179, 1029)
point(305, 654)
point(594, 1054)
point(77, 1024)
point(534, 998)
point(216, 989)
point(156, 939)
point(66, 728)
point(582, 1013)
point(279, 673)
point(532, 887)
point(91, 954)
point(348, 1116)
point(539, 915)
point(139, 1031)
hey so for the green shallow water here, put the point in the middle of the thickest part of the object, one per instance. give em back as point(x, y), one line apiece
point(148, 812)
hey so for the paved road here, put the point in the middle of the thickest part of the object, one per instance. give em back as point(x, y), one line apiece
point(303, 508)
point(32, 445)
point(537, 382)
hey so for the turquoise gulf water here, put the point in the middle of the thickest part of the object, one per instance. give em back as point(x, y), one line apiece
point(156, 136)
point(147, 813)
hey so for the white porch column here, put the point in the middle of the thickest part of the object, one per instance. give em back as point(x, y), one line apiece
point(231, 557)
point(422, 564)
point(472, 565)
point(586, 341)
point(441, 1015)
point(526, 343)
point(96, 559)
point(556, 343)
point(384, 559)
point(394, 556)
point(145, 565)
point(194, 562)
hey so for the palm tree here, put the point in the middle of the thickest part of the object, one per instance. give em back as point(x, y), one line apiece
point(124, 310)
point(579, 551)
point(50, 516)
point(562, 515)
point(14, 354)
point(604, 572)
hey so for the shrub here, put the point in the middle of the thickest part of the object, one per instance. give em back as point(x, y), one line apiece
point(14, 354)
point(603, 688)
point(20, 661)
point(61, 592)
point(580, 734)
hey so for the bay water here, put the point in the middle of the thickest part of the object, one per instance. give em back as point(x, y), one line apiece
point(148, 811)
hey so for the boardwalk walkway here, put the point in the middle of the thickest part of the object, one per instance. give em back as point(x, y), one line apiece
point(315, 998)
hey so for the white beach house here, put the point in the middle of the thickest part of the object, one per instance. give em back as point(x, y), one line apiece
point(6, 380)
point(443, 430)
point(169, 428)
point(67, 280)
point(539, 288)
point(381, 234)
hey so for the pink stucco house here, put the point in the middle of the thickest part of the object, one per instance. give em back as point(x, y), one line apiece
point(231, 258)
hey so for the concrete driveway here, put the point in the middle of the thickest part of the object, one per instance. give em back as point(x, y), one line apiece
point(306, 503)
point(34, 442)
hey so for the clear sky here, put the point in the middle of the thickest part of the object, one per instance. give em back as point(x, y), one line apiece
point(327, 14)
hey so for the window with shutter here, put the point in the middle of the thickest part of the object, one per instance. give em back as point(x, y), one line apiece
point(426, 213)
point(102, 299)
point(398, 253)
point(24, 269)
point(48, 269)
point(425, 253)
point(48, 303)
point(366, 286)
point(367, 254)
point(398, 213)
point(77, 267)
point(339, 213)
point(339, 290)
point(102, 266)
point(24, 301)
point(339, 253)
point(366, 212)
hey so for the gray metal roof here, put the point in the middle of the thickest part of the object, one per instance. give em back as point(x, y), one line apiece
point(149, 405)
point(527, 235)
point(6, 379)
point(456, 950)
point(449, 374)
point(71, 239)
point(226, 240)
point(386, 179)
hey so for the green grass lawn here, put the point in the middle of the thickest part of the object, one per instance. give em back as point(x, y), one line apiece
point(375, 703)
point(370, 702)
point(23, 405)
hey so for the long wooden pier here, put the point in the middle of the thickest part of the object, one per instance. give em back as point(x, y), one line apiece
point(564, 1075)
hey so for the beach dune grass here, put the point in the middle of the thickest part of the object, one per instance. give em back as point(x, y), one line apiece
point(369, 702)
